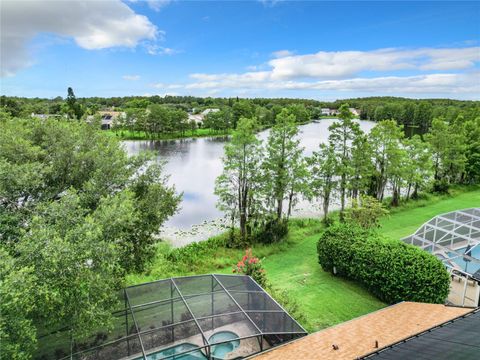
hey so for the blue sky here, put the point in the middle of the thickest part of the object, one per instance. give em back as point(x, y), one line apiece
point(322, 50)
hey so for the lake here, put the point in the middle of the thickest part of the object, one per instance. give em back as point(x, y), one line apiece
point(193, 166)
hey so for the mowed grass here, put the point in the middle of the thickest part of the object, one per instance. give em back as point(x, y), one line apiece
point(292, 265)
point(324, 298)
point(407, 219)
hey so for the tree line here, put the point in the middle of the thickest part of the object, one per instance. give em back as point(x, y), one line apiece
point(157, 119)
point(261, 182)
point(156, 115)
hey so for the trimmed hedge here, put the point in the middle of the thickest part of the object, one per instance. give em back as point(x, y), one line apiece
point(391, 270)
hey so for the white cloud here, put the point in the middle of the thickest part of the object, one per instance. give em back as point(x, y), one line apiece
point(342, 64)
point(154, 49)
point(92, 25)
point(131, 77)
point(457, 73)
point(157, 5)
point(427, 84)
point(167, 86)
point(282, 53)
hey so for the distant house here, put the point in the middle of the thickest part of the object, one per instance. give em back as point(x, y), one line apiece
point(108, 118)
point(47, 116)
point(325, 111)
point(208, 111)
point(198, 118)
point(354, 111)
point(334, 112)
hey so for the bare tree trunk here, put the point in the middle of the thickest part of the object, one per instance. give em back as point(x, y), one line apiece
point(396, 195)
point(415, 192)
point(342, 197)
point(290, 200)
point(279, 208)
point(326, 203)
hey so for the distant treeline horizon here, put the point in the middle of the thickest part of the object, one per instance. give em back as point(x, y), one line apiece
point(405, 111)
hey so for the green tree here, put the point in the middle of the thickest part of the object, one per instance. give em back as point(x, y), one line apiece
point(365, 212)
point(241, 108)
point(219, 121)
point(300, 112)
point(74, 109)
point(362, 166)
point(18, 335)
point(76, 213)
point(133, 118)
point(472, 135)
point(283, 151)
point(448, 147)
point(423, 116)
point(237, 187)
point(179, 120)
point(77, 270)
point(158, 120)
point(342, 134)
point(388, 156)
point(265, 116)
point(419, 168)
point(322, 165)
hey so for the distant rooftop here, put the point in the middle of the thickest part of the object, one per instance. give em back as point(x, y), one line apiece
point(360, 336)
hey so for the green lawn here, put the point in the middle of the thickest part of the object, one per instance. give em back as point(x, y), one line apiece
point(406, 220)
point(324, 299)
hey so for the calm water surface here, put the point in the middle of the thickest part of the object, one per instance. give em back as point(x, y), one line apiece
point(194, 164)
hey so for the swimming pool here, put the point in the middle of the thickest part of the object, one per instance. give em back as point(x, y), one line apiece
point(194, 355)
point(468, 266)
point(220, 351)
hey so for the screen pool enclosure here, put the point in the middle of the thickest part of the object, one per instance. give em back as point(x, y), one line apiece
point(196, 317)
point(454, 238)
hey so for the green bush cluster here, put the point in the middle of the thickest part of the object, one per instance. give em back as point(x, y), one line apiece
point(273, 231)
point(391, 270)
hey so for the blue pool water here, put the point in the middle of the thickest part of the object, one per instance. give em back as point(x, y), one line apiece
point(220, 351)
point(467, 266)
point(194, 355)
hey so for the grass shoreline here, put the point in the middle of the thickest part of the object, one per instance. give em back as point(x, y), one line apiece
point(292, 265)
point(189, 134)
point(140, 135)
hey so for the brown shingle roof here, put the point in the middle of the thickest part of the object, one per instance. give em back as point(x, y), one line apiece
point(357, 337)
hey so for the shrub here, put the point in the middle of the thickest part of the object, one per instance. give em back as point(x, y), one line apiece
point(441, 186)
point(391, 270)
point(272, 231)
point(252, 266)
point(289, 303)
